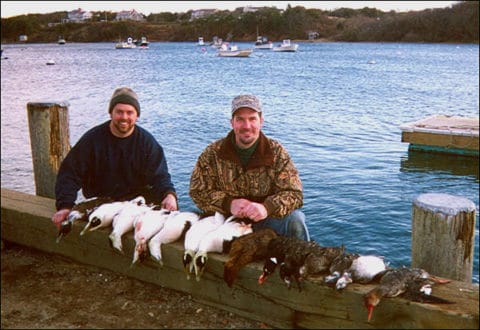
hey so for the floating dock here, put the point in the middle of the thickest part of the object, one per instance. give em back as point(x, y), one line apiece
point(443, 134)
point(26, 220)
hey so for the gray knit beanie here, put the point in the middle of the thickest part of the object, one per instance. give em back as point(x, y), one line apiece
point(124, 95)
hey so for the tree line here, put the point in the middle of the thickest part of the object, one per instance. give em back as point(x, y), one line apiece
point(456, 24)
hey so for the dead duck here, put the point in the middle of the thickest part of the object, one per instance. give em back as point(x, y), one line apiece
point(244, 250)
point(298, 259)
point(194, 236)
point(354, 268)
point(80, 211)
point(214, 242)
point(411, 283)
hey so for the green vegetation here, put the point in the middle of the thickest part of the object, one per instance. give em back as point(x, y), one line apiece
point(457, 24)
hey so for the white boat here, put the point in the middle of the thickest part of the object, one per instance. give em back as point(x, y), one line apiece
point(61, 41)
point(232, 51)
point(286, 46)
point(200, 41)
point(263, 43)
point(217, 42)
point(142, 43)
point(129, 44)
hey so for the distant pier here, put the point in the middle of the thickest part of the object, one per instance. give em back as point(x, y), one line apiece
point(443, 134)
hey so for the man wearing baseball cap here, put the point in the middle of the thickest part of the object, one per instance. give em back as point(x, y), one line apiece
point(250, 176)
point(116, 159)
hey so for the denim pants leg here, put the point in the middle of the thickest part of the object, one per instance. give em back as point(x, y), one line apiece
point(292, 225)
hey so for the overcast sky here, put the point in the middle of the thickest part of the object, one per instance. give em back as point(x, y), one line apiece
point(15, 8)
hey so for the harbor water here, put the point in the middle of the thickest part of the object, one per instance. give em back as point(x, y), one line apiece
point(336, 107)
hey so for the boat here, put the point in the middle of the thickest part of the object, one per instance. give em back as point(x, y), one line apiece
point(129, 44)
point(263, 43)
point(217, 42)
point(61, 41)
point(142, 43)
point(228, 50)
point(443, 134)
point(286, 46)
point(200, 41)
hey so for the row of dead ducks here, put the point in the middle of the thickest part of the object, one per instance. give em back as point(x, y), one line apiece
point(295, 259)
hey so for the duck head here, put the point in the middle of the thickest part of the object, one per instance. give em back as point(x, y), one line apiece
point(199, 263)
point(268, 269)
point(188, 262)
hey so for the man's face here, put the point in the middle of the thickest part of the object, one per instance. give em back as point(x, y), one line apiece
point(246, 123)
point(124, 116)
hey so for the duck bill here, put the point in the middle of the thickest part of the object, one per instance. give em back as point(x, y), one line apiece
point(370, 312)
point(262, 279)
point(85, 229)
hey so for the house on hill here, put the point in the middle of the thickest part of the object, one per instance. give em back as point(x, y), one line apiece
point(79, 15)
point(129, 15)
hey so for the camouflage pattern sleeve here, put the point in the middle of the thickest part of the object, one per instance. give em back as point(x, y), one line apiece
point(204, 180)
point(287, 187)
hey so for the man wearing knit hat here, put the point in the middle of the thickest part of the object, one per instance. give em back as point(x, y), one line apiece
point(116, 159)
point(250, 176)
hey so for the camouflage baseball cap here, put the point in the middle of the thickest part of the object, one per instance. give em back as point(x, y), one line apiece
point(246, 101)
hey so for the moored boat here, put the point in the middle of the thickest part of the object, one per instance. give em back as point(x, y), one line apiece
point(217, 42)
point(129, 44)
point(142, 43)
point(263, 43)
point(61, 41)
point(233, 51)
point(286, 46)
point(201, 42)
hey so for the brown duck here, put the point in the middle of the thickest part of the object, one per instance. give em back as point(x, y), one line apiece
point(410, 283)
point(244, 250)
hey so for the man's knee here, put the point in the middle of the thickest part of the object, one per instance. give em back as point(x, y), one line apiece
point(297, 226)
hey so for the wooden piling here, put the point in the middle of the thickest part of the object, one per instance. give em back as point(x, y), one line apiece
point(49, 139)
point(443, 235)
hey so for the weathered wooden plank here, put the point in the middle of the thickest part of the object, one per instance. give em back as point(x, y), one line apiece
point(26, 220)
point(442, 140)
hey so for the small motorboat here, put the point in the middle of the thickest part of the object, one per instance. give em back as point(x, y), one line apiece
point(286, 46)
point(200, 41)
point(263, 43)
point(61, 41)
point(217, 42)
point(233, 51)
point(129, 44)
point(142, 43)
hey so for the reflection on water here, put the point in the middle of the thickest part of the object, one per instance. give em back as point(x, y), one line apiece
point(418, 161)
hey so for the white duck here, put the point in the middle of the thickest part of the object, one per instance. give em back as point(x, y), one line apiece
point(175, 225)
point(103, 216)
point(358, 269)
point(146, 226)
point(214, 240)
point(195, 234)
point(123, 223)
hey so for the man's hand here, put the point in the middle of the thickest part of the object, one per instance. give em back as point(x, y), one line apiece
point(243, 208)
point(59, 217)
point(169, 203)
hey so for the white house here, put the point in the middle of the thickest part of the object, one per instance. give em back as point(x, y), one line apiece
point(200, 13)
point(79, 15)
point(129, 15)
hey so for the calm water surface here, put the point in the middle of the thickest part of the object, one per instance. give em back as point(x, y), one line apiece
point(337, 115)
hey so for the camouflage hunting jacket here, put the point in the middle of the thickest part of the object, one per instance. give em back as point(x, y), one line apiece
point(270, 177)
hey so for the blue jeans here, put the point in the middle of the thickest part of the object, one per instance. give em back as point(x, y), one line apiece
point(293, 225)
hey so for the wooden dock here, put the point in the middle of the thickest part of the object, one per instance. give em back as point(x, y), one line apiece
point(443, 134)
point(26, 220)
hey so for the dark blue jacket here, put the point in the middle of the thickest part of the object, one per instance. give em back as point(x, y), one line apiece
point(103, 165)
